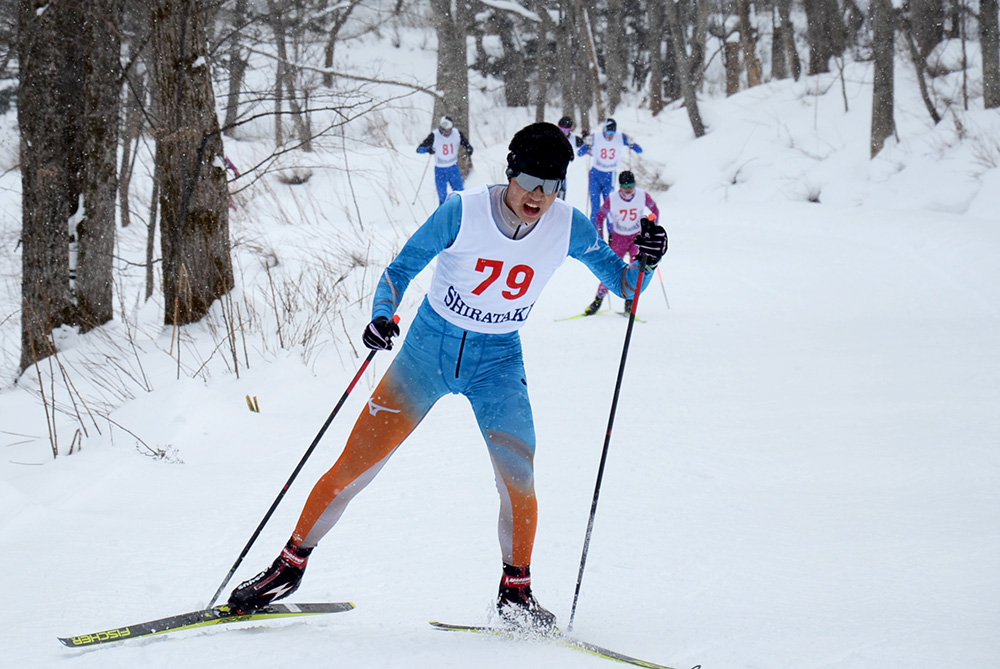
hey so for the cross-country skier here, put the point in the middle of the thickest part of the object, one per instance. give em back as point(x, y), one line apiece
point(606, 147)
point(624, 210)
point(496, 248)
point(566, 124)
point(443, 142)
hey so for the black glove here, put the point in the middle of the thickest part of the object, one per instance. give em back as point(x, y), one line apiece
point(652, 242)
point(469, 150)
point(379, 333)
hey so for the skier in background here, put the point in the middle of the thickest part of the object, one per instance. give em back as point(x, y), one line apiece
point(443, 143)
point(624, 210)
point(496, 248)
point(576, 141)
point(606, 148)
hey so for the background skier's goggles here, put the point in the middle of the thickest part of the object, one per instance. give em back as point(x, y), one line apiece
point(530, 183)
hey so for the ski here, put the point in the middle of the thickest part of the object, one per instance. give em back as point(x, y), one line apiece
point(556, 636)
point(576, 316)
point(218, 615)
point(598, 313)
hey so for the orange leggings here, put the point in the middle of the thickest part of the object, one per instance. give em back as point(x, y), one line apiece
point(438, 358)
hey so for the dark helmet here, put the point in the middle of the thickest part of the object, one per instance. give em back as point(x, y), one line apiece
point(541, 150)
point(626, 177)
point(610, 126)
point(566, 123)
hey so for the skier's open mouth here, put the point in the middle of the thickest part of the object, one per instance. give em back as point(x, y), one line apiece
point(532, 210)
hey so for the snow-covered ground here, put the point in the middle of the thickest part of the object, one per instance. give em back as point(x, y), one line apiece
point(804, 470)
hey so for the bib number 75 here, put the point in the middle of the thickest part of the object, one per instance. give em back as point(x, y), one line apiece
point(518, 278)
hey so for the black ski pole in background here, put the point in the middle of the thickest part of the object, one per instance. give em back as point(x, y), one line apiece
point(664, 288)
point(607, 440)
point(298, 468)
point(417, 194)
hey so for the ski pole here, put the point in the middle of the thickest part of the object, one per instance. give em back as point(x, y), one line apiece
point(607, 440)
point(419, 185)
point(664, 288)
point(298, 468)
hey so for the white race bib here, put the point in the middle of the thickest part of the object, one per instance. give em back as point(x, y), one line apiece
point(485, 282)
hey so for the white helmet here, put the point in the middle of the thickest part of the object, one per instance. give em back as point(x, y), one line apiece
point(446, 124)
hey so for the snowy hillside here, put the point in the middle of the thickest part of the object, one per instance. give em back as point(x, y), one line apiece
point(804, 469)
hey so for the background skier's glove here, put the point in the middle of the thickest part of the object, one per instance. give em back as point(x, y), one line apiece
point(379, 333)
point(651, 241)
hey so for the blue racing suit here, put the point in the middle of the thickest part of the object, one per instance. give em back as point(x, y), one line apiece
point(438, 357)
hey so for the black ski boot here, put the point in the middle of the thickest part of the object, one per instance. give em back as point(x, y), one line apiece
point(517, 607)
point(277, 581)
point(594, 306)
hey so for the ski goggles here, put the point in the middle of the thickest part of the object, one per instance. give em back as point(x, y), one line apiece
point(530, 183)
point(627, 186)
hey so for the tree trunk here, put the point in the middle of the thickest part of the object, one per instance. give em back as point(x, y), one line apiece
point(699, 38)
point(237, 67)
point(788, 38)
point(102, 111)
point(731, 53)
point(920, 64)
point(687, 85)
point(46, 201)
point(779, 62)
point(927, 23)
point(586, 31)
point(826, 34)
point(654, 13)
point(194, 212)
point(451, 22)
point(582, 84)
point(515, 71)
point(615, 53)
point(548, 69)
point(341, 16)
point(748, 42)
point(989, 40)
point(135, 103)
point(565, 64)
point(883, 100)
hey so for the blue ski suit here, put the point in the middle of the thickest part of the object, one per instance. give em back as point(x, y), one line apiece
point(439, 357)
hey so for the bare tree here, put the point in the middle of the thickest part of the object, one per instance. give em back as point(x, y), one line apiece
point(70, 81)
point(826, 33)
point(102, 88)
point(194, 211)
point(513, 66)
point(748, 44)
point(656, 61)
point(683, 68)
point(785, 57)
point(46, 200)
point(927, 23)
point(451, 22)
point(919, 61)
point(883, 98)
point(341, 12)
point(585, 29)
point(989, 40)
point(236, 64)
point(615, 53)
